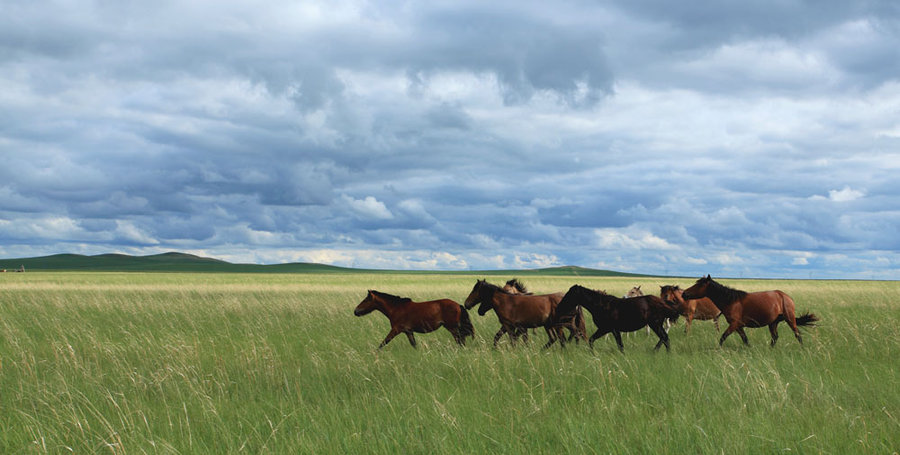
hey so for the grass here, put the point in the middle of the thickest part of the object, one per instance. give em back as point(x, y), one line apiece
point(277, 363)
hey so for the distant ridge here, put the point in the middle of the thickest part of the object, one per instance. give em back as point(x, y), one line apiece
point(183, 262)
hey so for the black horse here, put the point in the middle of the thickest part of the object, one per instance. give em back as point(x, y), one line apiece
point(617, 315)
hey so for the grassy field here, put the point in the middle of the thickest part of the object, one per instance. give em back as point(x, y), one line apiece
point(277, 363)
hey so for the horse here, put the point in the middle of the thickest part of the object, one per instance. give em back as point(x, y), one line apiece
point(517, 312)
point(514, 286)
point(407, 316)
point(617, 315)
point(702, 309)
point(750, 309)
point(634, 292)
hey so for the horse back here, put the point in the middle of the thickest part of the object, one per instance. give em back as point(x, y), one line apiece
point(427, 316)
point(762, 308)
point(525, 310)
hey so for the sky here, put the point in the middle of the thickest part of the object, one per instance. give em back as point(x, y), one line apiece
point(732, 138)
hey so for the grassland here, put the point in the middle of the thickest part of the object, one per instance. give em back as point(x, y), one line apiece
point(277, 363)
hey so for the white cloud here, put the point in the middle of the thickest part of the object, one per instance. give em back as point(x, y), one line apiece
point(845, 195)
point(369, 207)
point(632, 239)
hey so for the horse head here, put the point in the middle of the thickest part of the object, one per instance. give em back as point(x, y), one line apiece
point(634, 292)
point(368, 305)
point(474, 296)
point(672, 294)
point(698, 290)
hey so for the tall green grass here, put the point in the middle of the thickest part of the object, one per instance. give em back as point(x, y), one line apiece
point(230, 363)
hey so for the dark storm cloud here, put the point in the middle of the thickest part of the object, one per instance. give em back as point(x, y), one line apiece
point(743, 138)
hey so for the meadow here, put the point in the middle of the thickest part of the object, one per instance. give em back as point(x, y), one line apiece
point(96, 362)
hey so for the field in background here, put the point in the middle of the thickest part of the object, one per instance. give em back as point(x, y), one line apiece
point(261, 363)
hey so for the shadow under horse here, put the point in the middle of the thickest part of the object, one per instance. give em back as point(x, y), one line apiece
point(408, 317)
point(750, 309)
point(617, 315)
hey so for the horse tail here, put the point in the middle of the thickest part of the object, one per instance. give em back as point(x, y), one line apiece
point(807, 319)
point(465, 324)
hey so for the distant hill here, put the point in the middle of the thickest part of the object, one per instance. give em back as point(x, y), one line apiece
point(182, 262)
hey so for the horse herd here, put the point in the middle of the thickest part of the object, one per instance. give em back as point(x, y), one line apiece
point(518, 310)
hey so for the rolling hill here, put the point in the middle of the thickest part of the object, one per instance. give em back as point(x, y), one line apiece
point(183, 262)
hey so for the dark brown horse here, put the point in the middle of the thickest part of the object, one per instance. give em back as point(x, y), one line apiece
point(407, 316)
point(702, 309)
point(517, 312)
point(750, 309)
point(617, 315)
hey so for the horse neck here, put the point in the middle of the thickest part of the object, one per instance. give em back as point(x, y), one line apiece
point(723, 296)
point(386, 308)
point(592, 301)
point(487, 293)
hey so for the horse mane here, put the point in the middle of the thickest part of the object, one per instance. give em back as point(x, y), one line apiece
point(390, 298)
point(494, 288)
point(727, 293)
point(599, 292)
point(518, 285)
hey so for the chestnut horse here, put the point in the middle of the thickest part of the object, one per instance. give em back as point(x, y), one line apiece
point(750, 309)
point(514, 286)
point(702, 309)
point(517, 312)
point(407, 316)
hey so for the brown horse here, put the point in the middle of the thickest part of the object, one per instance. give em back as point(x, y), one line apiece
point(517, 312)
point(750, 309)
point(702, 309)
point(407, 316)
point(514, 286)
point(617, 315)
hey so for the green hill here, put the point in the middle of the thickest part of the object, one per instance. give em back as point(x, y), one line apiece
point(183, 262)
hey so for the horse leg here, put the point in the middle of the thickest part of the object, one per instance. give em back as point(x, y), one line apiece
point(716, 322)
point(731, 328)
point(524, 334)
point(412, 339)
point(618, 336)
point(743, 335)
point(687, 324)
point(663, 338)
point(792, 321)
point(457, 335)
point(498, 335)
point(552, 335)
point(773, 330)
point(599, 333)
point(390, 336)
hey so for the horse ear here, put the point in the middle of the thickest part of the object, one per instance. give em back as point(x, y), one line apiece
point(708, 277)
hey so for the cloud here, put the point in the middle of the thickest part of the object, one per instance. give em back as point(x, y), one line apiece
point(710, 137)
point(844, 195)
point(368, 208)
